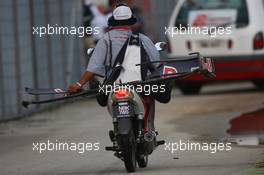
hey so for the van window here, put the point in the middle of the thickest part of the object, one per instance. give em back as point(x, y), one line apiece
point(193, 5)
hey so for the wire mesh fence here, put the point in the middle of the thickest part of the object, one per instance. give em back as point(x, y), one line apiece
point(33, 61)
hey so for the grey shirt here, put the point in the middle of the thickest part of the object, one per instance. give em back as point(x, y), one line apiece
point(100, 58)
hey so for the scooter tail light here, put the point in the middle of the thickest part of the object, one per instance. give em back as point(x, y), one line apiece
point(258, 42)
point(122, 93)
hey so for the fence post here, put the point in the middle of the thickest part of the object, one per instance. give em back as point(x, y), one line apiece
point(49, 51)
point(70, 57)
point(17, 56)
point(2, 80)
point(62, 40)
point(33, 47)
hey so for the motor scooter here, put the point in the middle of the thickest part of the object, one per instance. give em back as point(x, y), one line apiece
point(133, 135)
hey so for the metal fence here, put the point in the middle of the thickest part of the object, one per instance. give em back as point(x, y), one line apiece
point(33, 61)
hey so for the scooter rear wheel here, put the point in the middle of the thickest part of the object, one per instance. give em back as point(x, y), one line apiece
point(128, 145)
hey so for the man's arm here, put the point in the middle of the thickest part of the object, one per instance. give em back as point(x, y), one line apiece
point(86, 76)
point(96, 66)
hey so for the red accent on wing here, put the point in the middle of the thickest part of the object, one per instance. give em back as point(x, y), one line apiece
point(169, 70)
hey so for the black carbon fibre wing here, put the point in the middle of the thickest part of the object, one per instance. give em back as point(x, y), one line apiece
point(194, 63)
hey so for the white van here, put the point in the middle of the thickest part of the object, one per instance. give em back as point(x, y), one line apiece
point(229, 31)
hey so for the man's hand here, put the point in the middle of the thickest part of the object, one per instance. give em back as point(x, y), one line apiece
point(74, 88)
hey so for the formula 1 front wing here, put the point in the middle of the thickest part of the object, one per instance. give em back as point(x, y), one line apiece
point(173, 68)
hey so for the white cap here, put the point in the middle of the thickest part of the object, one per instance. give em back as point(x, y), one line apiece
point(122, 13)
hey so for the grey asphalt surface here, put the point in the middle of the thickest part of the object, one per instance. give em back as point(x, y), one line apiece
point(203, 118)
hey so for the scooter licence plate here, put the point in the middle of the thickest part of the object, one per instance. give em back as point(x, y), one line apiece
point(122, 109)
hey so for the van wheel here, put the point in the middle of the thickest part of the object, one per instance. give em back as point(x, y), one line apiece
point(190, 88)
point(259, 84)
